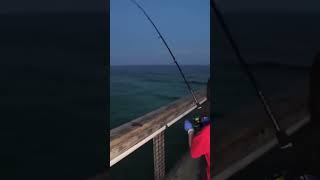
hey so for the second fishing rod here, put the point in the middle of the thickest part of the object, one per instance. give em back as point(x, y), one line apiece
point(282, 137)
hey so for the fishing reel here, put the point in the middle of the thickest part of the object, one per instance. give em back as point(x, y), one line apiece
point(197, 123)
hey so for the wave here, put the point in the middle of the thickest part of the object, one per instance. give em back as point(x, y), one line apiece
point(197, 82)
point(167, 97)
point(155, 80)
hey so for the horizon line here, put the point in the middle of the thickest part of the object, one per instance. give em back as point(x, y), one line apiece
point(159, 64)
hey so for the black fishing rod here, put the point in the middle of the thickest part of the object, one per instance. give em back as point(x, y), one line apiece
point(173, 57)
point(282, 137)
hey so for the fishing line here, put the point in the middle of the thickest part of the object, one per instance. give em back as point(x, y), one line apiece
point(173, 57)
point(282, 137)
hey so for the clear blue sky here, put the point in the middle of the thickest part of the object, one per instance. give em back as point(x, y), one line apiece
point(184, 24)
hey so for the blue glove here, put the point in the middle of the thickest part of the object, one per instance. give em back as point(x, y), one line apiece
point(188, 126)
point(205, 120)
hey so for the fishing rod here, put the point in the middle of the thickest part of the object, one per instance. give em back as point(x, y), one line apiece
point(173, 57)
point(282, 137)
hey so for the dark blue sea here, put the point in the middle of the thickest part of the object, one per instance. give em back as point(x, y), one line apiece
point(137, 90)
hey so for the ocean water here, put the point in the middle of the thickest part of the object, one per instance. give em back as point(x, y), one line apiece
point(137, 90)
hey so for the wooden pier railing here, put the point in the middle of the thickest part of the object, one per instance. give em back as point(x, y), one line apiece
point(128, 137)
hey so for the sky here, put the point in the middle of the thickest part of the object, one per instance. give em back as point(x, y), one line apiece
point(185, 25)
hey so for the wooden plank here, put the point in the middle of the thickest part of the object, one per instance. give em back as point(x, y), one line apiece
point(130, 134)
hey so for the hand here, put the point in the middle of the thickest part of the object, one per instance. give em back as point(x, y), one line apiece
point(188, 126)
point(205, 120)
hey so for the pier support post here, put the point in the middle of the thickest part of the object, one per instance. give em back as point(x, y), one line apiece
point(159, 156)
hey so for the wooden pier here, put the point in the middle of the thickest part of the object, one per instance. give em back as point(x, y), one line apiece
point(130, 136)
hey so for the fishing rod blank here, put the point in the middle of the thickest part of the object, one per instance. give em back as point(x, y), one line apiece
point(173, 57)
point(281, 135)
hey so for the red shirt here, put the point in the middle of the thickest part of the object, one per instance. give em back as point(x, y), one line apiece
point(200, 145)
